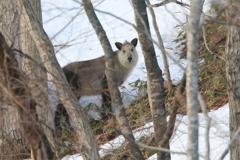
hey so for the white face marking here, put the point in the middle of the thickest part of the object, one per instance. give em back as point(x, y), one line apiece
point(128, 56)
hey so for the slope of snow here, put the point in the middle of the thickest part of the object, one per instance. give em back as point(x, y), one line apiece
point(218, 136)
point(83, 44)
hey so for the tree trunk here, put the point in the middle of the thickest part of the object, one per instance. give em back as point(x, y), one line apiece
point(233, 73)
point(154, 75)
point(35, 72)
point(110, 74)
point(12, 26)
point(192, 78)
point(87, 143)
point(16, 92)
point(10, 124)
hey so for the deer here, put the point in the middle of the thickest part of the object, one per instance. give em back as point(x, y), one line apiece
point(88, 78)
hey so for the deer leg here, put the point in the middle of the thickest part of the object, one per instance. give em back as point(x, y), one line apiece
point(59, 114)
point(106, 97)
point(72, 79)
point(61, 111)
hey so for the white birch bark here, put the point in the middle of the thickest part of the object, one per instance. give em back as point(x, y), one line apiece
point(192, 78)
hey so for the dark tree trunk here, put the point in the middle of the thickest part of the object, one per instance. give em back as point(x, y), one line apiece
point(154, 75)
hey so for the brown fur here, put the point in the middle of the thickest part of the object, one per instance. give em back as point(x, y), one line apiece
point(88, 77)
point(85, 77)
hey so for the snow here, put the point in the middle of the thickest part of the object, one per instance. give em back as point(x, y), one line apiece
point(83, 44)
point(219, 135)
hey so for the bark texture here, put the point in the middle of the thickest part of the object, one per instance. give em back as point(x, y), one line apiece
point(113, 87)
point(154, 75)
point(233, 73)
point(34, 71)
point(14, 28)
point(10, 124)
point(13, 85)
point(87, 142)
point(192, 78)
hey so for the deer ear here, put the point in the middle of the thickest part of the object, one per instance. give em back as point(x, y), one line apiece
point(134, 42)
point(118, 45)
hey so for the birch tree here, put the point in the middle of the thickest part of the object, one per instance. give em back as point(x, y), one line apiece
point(192, 78)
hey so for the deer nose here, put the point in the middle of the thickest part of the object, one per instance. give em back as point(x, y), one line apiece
point(129, 59)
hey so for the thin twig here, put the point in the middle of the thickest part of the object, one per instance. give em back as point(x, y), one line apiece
point(149, 147)
point(208, 122)
point(223, 22)
point(160, 42)
point(224, 153)
point(166, 2)
point(205, 43)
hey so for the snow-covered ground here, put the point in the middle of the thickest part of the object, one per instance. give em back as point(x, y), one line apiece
point(81, 43)
point(218, 136)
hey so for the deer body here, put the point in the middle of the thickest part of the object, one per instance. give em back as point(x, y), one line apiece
point(88, 77)
point(85, 77)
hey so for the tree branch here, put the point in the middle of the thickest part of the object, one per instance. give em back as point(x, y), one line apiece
point(226, 150)
point(160, 42)
point(166, 2)
point(176, 103)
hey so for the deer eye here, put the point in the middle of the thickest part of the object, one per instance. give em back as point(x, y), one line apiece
point(123, 51)
point(132, 49)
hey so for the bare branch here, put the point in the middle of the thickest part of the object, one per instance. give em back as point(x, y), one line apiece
point(229, 23)
point(160, 42)
point(226, 150)
point(208, 122)
point(205, 43)
point(150, 147)
point(176, 103)
point(166, 2)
